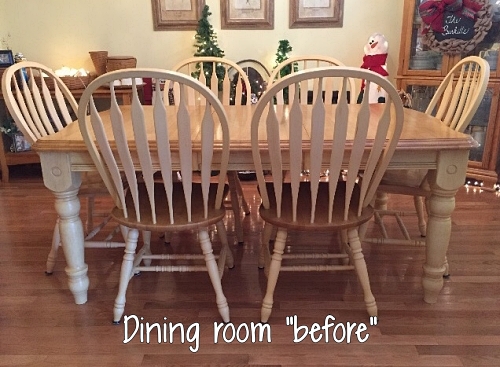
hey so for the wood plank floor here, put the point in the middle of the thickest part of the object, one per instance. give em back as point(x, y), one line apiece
point(41, 326)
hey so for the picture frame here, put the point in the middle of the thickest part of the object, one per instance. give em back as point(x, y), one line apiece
point(176, 15)
point(247, 14)
point(316, 13)
point(20, 143)
point(6, 58)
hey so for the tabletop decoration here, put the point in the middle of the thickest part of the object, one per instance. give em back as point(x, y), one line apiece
point(454, 26)
point(73, 78)
point(99, 59)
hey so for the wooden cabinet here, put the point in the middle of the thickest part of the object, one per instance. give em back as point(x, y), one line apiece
point(421, 70)
point(8, 158)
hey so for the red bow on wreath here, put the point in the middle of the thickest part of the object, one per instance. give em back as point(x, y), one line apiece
point(432, 11)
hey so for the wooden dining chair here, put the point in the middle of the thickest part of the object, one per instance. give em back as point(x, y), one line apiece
point(143, 202)
point(332, 86)
point(298, 63)
point(345, 137)
point(214, 72)
point(39, 112)
point(455, 102)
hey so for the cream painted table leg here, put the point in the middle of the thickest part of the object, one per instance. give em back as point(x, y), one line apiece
point(444, 181)
point(64, 184)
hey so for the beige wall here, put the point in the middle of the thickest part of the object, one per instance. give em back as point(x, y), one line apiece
point(61, 32)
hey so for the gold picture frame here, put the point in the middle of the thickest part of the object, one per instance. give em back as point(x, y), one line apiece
point(175, 15)
point(316, 13)
point(247, 14)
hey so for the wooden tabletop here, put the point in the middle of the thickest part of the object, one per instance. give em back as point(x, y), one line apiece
point(420, 131)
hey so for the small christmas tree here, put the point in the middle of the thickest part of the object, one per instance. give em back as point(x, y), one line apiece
point(206, 45)
point(281, 55)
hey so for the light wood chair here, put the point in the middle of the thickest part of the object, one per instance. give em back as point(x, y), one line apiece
point(143, 203)
point(455, 102)
point(205, 69)
point(340, 206)
point(38, 112)
point(332, 86)
point(305, 62)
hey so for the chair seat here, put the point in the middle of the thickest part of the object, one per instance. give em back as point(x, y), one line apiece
point(304, 208)
point(162, 212)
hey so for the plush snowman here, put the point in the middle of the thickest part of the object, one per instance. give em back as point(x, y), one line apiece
point(375, 60)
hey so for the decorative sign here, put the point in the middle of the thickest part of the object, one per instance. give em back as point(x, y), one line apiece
point(456, 26)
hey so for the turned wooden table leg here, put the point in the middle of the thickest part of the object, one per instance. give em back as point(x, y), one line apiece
point(64, 184)
point(444, 182)
point(71, 229)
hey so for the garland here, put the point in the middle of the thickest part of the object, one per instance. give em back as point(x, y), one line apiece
point(454, 46)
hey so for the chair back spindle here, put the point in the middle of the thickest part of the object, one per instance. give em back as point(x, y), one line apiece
point(371, 137)
point(153, 141)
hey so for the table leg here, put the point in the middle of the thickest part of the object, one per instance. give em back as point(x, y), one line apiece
point(444, 182)
point(64, 184)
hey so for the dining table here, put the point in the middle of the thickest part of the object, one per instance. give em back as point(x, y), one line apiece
point(425, 143)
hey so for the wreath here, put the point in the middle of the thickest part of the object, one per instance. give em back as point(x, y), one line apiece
point(464, 15)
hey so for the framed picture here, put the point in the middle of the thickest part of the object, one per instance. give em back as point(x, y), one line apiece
point(6, 58)
point(316, 13)
point(247, 14)
point(174, 15)
point(20, 143)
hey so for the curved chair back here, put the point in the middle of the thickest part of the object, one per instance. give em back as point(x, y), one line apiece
point(342, 137)
point(217, 77)
point(305, 62)
point(458, 96)
point(150, 130)
point(36, 110)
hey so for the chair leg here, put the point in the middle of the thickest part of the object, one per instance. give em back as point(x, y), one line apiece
point(213, 273)
point(381, 199)
point(446, 267)
point(146, 238)
point(56, 243)
point(232, 178)
point(361, 270)
point(264, 255)
point(226, 255)
point(125, 274)
point(272, 279)
point(90, 214)
point(419, 208)
point(244, 204)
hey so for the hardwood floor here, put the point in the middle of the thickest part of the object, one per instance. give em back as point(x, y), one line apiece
point(41, 326)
